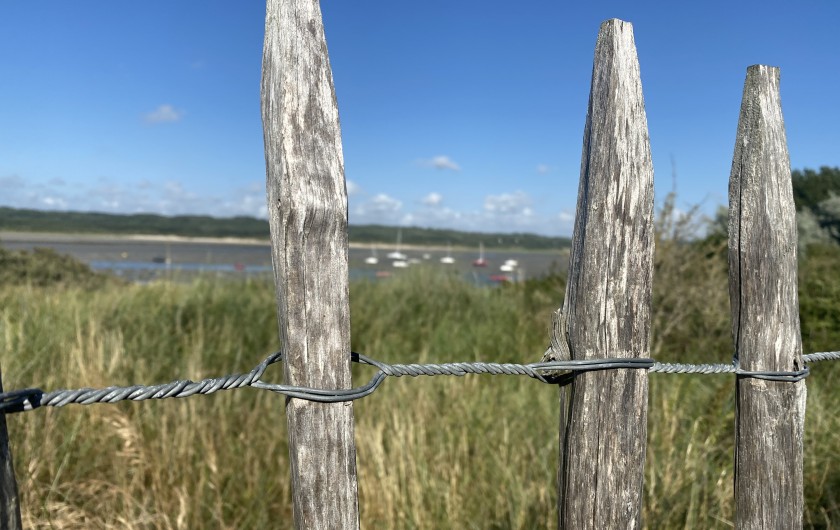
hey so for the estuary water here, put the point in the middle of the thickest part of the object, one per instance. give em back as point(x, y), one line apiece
point(145, 258)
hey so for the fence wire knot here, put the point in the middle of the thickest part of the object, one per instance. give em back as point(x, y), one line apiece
point(550, 372)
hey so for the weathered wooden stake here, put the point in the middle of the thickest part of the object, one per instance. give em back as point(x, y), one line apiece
point(606, 312)
point(9, 500)
point(307, 205)
point(770, 416)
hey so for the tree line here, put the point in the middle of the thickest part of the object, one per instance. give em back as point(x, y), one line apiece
point(817, 198)
point(15, 219)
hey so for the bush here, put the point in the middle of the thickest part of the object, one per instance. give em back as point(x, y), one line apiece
point(44, 267)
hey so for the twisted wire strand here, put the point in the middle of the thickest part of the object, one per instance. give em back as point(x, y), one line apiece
point(546, 372)
point(767, 375)
point(821, 356)
point(32, 398)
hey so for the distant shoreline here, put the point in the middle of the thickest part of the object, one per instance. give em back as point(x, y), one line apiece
point(117, 238)
point(57, 237)
point(69, 226)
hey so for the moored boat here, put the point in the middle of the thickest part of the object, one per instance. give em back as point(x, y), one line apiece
point(396, 254)
point(480, 262)
point(448, 259)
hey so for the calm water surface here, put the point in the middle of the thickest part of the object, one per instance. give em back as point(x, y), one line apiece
point(149, 259)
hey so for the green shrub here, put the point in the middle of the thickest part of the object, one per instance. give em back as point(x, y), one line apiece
point(44, 267)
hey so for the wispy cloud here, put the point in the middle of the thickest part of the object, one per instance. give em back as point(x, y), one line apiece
point(12, 181)
point(382, 203)
point(379, 209)
point(542, 169)
point(440, 162)
point(54, 203)
point(164, 114)
point(248, 200)
point(517, 203)
point(432, 199)
point(105, 194)
point(502, 212)
point(353, 188)
point(566, 216)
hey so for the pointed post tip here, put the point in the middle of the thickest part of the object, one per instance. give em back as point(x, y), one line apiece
point(616, 22)
point(617, 32)
point(762, 66)
point(763, 79)
point(763, 70)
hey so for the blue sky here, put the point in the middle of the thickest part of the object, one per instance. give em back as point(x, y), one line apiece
point(459, 114)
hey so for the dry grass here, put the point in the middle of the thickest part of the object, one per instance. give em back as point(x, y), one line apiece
point(473, 452)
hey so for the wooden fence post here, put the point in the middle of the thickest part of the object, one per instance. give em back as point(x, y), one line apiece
point(9, 500)
point(307, 205)
point(770, 415)
point(606, 312)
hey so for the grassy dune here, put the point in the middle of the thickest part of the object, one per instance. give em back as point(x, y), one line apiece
point(472, 452)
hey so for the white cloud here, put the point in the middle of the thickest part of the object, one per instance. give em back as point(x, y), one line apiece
point(105, 194)
point(503, 212)
point(164, 114)
point(249, 201)
point(175, 199)
point(382, 203)
point(444, 217)
point(19, 192)
point(441, 162)
point(514, 211)
point(542, 169)
point(432, 199)
point(54, 203)
point(379, 209)
point(516, 203)
point(352, 188)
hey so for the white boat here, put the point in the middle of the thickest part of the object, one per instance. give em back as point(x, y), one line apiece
point(400, 263)
point(396, 254)
point(448, 259)
point(509, 265)
point(372, 259)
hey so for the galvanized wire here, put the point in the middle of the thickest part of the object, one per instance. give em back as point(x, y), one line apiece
point(553, 372)
point(32, 398)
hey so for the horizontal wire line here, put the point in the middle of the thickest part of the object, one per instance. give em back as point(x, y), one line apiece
point(546, 372)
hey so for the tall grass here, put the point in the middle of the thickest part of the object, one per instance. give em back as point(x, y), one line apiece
point(471, 452)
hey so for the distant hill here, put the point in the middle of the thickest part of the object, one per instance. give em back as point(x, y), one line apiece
point(442, 237)
point(104, 223)
point(14, 219)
